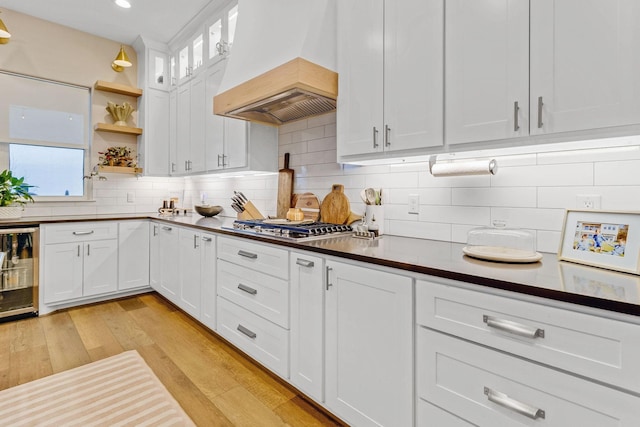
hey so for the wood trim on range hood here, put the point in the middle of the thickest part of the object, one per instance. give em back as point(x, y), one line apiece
point(291, 91)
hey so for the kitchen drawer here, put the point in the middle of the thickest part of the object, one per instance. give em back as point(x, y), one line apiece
point(604, 349)
point(78, 232)
point(485, 386)
point(262, 258)
point(266, 342)
point(264, 295)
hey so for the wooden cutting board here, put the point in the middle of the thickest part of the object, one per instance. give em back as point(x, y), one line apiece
point(309, 204)
point(335, 207)
point(285, 188)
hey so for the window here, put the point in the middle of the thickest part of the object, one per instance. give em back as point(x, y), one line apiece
point(45, 134)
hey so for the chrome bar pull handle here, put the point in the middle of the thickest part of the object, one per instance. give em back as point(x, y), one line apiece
point(155, 230)
point(165, 228)
point(82, 233)
point(223, 162)
point(247, 332)
point(78, 251)
point(516, 110)
point(246, 254)
point(375, 137)
point(88, 249)
point(195, 241)
point(173, 167)
point(304, 263)
point(513, 327)
point(387, 136)
point(328, 272)
point(206, 239)
point(540, 104)
point(247, 289)
point(218, 160)
point(513, 405)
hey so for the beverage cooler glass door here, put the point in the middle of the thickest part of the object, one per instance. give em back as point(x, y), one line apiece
point(19, 273)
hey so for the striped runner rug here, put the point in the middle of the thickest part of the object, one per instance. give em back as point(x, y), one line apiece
point(118, 391)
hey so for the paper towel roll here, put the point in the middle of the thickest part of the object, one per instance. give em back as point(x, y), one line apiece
point(480, 167)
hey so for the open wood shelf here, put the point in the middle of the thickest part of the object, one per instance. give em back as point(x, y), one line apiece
point(106, 127)
point(120, 169)
point(118, 88)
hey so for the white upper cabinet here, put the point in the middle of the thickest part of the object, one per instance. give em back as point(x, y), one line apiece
point(390, 57)
point(516, 68)
point(220, 32)
point(487, 68)
point(585, 58)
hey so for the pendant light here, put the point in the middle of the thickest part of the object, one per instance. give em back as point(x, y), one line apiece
point(122, 61)
point(5, 35)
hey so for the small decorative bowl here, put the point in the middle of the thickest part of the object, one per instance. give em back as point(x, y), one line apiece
point(208, 210)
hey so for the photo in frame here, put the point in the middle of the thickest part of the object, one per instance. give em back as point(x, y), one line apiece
point(606, 239)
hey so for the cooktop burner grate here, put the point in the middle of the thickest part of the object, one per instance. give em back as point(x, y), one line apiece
point(291, 230)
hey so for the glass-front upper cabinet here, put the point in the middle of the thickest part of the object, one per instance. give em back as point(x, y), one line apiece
point(158, 69)
point(221, 31)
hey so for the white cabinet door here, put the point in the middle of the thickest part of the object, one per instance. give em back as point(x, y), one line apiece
point(369, 339)
point(189, 268)
point(156, 134)
point(487, 70)
point(413, 73)
point(307, 324)
point(183, 127)
point(62, 275)
point(198, 108)
point(169, 261)
point(236, 140)
point(173, 131)
point(133, 254)
point(214, 129)
point(360, 78)
point(155, 261)
point(208, 280)
point(100, 267)
point(585, 58)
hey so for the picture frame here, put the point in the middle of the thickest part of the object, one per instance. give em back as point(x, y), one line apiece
point(605, 239)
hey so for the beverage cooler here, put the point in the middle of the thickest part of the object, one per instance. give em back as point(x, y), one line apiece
point(19, 273)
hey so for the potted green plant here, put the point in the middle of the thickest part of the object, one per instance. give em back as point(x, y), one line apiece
point(14, 194)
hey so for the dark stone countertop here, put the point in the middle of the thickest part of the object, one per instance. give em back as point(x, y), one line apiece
point(549, 278)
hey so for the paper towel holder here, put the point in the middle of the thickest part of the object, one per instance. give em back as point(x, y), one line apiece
point(482, 167)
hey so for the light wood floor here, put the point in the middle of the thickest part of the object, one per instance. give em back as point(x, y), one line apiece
point(215, 384)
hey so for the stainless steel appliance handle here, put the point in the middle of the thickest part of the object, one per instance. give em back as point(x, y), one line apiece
point(540, 104)
point(247, 332)
point(247, 254)
point(375, 137)
point(387, 136)
point(513, 327)
point(516, 110)
point(247, 289)
point(82, 233)
point(514, 405)
point(304, 262)
point(328, 272)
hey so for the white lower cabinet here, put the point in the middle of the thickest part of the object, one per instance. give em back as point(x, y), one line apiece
point(307, 324)
point(182, 269)
point(491, 388)
point(253, 300)
point(79, 260)
point(497, 360)
point(133, 254)
point(369, 342)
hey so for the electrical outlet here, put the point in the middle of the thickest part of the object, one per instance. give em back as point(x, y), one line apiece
point(131, 197)
point(588, 201)
point(414, 204)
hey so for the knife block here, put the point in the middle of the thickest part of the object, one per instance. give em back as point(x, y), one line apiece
point(250, 212)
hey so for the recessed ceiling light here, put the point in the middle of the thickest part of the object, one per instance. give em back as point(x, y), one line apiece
point(123, 3)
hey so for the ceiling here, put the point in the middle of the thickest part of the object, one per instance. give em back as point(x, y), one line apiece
point(159, 20)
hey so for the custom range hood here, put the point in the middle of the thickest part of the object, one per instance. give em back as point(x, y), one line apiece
point(282, 61)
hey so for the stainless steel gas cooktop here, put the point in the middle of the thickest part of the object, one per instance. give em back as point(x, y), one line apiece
point(291, 230)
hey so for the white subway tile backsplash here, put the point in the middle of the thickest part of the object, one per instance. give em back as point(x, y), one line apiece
point(548, 241)
point(455, 214)
point(544, 175)
point(530, 218)
point(523, 197)
point(420, 230)
point(618, 173)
